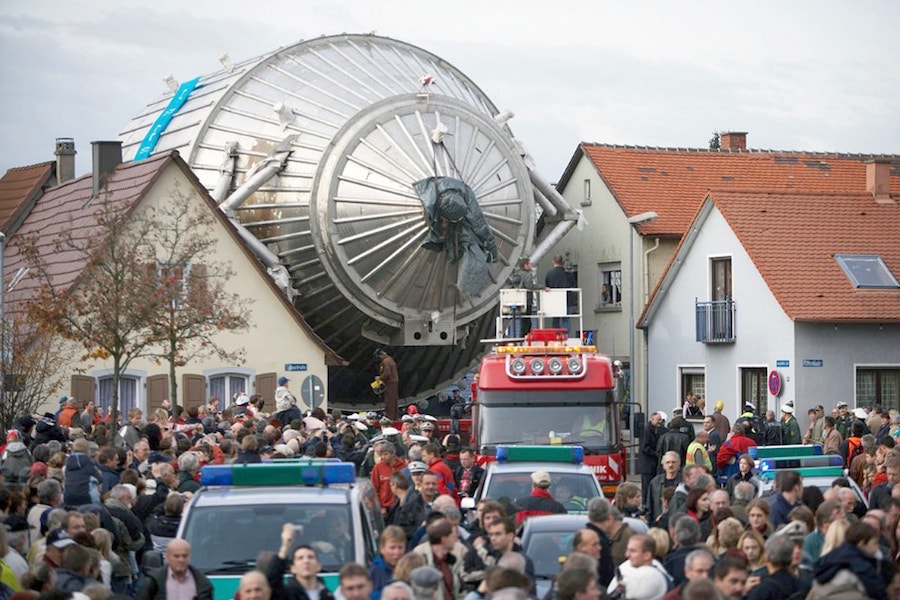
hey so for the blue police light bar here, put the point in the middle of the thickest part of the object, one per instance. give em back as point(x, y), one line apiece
point(830, 472)
point(560, 454)
point(794, 450)
point(314, 473)
point(798, 462)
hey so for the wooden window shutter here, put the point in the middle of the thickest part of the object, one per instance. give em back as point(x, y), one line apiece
point(193, 390)
point(265, 387)
point(84, 388)
point(157, 391)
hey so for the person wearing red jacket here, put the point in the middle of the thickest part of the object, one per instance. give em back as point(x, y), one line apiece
point(735, 445)
point(431, 454)
point(388, 464)
point(540, 501)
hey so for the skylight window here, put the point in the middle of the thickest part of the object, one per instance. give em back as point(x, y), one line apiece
point(867, 271)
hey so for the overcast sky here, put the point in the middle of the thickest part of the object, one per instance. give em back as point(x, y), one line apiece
point(799, 75)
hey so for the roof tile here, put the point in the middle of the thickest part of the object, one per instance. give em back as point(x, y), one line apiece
point(674, 182)
point(792, 239)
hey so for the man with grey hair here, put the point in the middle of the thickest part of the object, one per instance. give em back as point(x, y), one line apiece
point(685, 532)
point(670, 476)
point(598, 514)
point(50, 495)
point(397, 590)
point(775, 581)
point(744, 492)
point(188, 467)
point(698, 564)
point(388, 464)
point(130, 535)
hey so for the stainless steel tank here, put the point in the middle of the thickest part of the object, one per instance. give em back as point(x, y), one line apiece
point(313, 149)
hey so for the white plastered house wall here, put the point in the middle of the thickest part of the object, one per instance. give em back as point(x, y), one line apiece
point(603, 244)
point(274, 339)
point(763, 332)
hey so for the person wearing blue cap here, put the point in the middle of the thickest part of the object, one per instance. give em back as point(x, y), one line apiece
point(286, 405)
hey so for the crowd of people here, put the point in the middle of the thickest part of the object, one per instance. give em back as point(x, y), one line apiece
point(85, 500)
point(799, 541)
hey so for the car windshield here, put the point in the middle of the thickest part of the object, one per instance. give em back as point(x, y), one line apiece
point(573, 490)
point(545, 420)
point(227, 539)
point(544, 548)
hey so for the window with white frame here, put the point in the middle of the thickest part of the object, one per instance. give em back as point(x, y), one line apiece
point(878, 385)
point(226, 386)
point(586, 200)
point(610, 285)
point(128, 393)
point(693, 380)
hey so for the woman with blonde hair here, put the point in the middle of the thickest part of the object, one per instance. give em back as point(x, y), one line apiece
point(406, 564)
point(725, 536)
point(835, 536)
point(661, 537)
point(752, 544)
point(104, 539)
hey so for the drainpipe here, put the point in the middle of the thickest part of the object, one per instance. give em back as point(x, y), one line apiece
point(646, 268)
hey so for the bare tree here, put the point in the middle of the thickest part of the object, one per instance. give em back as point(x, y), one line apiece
point(32, 367)
point(196, 307)
point(109, 306)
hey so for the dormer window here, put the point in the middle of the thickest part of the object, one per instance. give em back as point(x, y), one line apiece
point(867, 271)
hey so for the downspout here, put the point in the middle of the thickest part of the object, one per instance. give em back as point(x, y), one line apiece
point(646, 267)
point(645, 358)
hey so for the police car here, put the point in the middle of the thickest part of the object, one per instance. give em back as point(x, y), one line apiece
point(240, 510)
point(509, 476)
point(817, 469)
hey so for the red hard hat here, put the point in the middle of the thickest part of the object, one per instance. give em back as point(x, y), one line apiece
point(412, 410)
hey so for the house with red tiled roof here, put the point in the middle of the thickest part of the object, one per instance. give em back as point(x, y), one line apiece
point(279, 335)
point(21, 187)
point(639, 203)
point(782, 296)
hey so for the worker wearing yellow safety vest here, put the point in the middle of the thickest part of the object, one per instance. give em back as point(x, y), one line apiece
point(696, 452)
point(591, 425)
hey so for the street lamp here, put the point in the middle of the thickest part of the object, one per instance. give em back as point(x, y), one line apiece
point(644, 217)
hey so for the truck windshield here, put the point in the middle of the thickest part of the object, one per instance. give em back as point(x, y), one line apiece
point(587, 418)
point(228, 539)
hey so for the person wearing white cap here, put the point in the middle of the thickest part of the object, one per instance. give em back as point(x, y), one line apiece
point(790, 429)
point(540, 501)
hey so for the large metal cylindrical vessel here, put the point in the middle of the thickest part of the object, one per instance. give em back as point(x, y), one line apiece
point(314, 149)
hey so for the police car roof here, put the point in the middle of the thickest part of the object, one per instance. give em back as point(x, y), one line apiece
point(555, 523)
point(230, 496)
point(531, 467)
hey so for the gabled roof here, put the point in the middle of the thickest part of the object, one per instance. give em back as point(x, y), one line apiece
point(19, 189)
point(68, 207)
point(673, 181)
point(792, 239)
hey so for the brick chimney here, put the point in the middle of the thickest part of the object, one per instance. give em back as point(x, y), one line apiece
point(107, 156)
point(65, 159)
point(733, 140)
point(878, 180)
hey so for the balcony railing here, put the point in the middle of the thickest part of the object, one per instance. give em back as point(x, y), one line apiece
point(715, 322)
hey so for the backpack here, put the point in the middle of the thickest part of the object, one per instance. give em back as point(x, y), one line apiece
point(854, 449)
